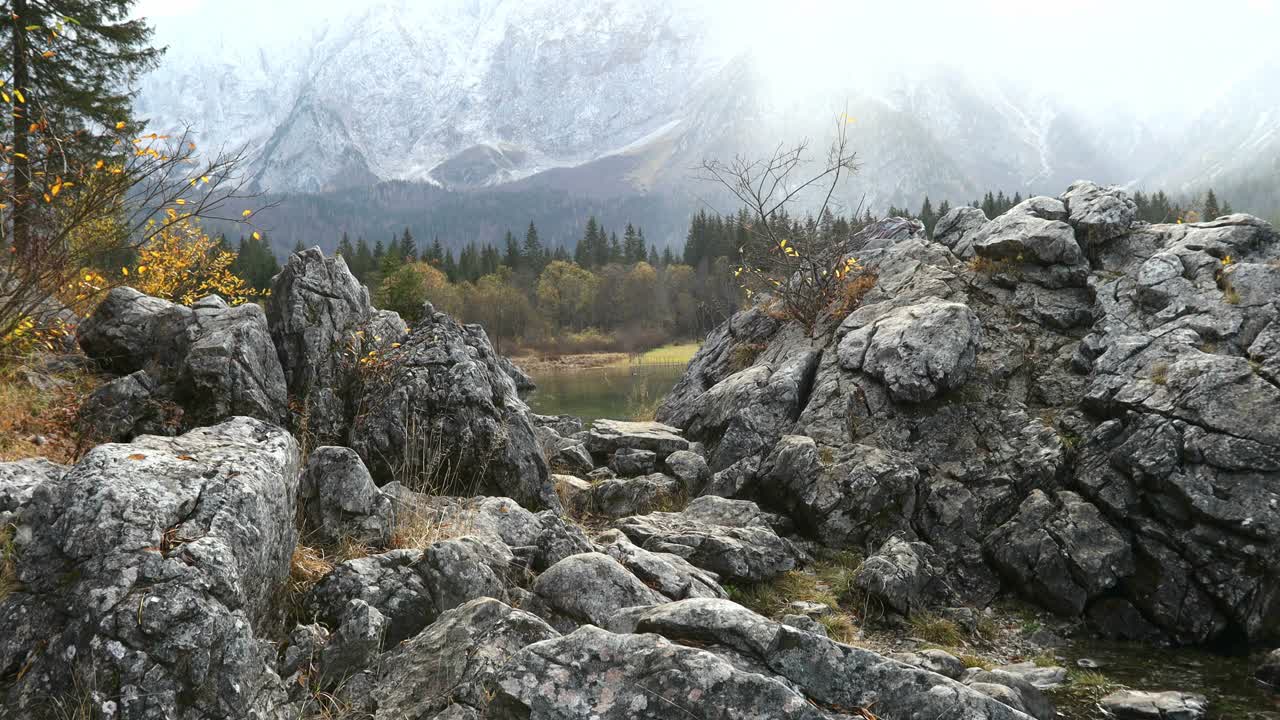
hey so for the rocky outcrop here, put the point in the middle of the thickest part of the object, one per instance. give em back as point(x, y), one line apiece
point(323, 326)
point(1060, 400)
point(185, 367)
point(149, 573)
point(18, 482)
point(1062, 552)
point(957, 228)
point(439, 414)
point(904, 576)
point(596, 673)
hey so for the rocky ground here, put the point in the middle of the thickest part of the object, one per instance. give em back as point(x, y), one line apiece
point(1056, 423)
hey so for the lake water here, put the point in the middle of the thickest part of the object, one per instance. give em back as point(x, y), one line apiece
point(623, 393)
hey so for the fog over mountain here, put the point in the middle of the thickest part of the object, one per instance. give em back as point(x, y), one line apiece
point(624, 98)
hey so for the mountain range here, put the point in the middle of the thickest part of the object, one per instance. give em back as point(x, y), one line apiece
point(610, 105)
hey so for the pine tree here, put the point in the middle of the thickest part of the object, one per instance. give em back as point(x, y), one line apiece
point(364, 260)
point(450, 267)
point(1211, 209)
point(927, 217)
point(667, 258)
point(391, 261)
point(408, 250)
point(436, 255)
point(532, 251)
point(633, 250)
point(81, 83)
point(654, 259)
point(297, 247)
point(511, 258)
point(347, 252)
point(615, 249)
point(585, 253)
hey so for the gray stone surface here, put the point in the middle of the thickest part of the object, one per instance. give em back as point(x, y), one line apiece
point(151, 571)
point(447, 670)
point(747, 554)
point(627, 462)
point(588, 589)
point(1097, 213)
point(323, 324)
point(340, 502)
point(211, 360)
point(1170, 705)
point(957, 229)
point(918, 351)
point(440, 416)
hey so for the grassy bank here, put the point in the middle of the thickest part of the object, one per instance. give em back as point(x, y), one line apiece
point(533, 361)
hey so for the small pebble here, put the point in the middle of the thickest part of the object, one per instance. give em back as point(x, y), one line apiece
point(1088, 664)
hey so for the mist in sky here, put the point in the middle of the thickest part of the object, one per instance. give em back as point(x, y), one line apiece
point(1149, 58)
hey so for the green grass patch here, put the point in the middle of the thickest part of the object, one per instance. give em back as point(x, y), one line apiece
point(678, 354)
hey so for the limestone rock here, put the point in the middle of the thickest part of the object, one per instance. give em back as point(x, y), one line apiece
point(150, 571)
point(441, 416)
point(340, 501)
point(918, 351)
point(1171, 705)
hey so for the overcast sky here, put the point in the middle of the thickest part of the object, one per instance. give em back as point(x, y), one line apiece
point(1165, 56)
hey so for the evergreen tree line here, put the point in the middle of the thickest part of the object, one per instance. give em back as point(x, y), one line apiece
point(614, 291)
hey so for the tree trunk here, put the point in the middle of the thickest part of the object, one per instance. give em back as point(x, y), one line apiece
point(22, 200)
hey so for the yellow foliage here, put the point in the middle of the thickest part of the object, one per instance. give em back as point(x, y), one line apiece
point(183, 264)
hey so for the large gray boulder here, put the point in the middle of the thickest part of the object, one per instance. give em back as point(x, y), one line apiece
point(411, 588)
point(149, 574)
point(607, 437)
point(750, 553)
point(212, 360)
point(340, 501)
point(827, 672)
point(439, 415)
point(1061, 551)
point(447, 670)
point(18, 482)
point(957, 229)
point(1169, 705)
point(1098, 213)
point(323, 326)
point(905, 576)
point(917, 351)
point(130, 331)
point(595, 673)
point(588, 588)
point(854, 496)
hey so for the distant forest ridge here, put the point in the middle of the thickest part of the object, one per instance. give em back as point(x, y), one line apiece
point(480, 218)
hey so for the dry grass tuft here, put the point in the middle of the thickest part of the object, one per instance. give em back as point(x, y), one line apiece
point(840, 627)
point(934, 629)
point(8, 562)
point(1160, 373)
point(418, 528)
point(30, 412)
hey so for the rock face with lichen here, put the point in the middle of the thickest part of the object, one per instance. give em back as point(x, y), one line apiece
point(1060, 401)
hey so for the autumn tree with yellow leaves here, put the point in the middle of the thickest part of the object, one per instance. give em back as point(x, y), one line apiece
point(78, 182)
point(804, 268)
